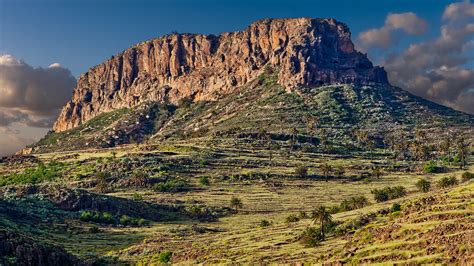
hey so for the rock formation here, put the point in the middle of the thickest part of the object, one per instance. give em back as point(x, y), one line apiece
point(308, 52)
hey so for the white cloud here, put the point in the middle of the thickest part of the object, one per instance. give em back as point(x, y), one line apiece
point(385, 36)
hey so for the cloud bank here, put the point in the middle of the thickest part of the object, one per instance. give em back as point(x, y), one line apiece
point(30, 96)
point(436, 69)
point(386, 36)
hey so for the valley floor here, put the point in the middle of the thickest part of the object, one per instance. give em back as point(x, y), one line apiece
point(432, 227)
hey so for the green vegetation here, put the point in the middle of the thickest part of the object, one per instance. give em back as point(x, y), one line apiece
point(41, 173)
point(447, 181)
point(107, 218)
point(172, 186)
point(423, 185)
point(388, 193)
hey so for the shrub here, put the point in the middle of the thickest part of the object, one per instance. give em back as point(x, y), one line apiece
point(264, 223)
point(353, 203)
point(466, 176)
point(236, 203)
point(94, 229)
point(39, 174)
point(430, 167)
point(423, 185)
point(447, 182)
point(185, 102)
point(301, 171)
point(310, 237)
point(303, 215)
point(204, 181)
point(85, 216)
point(292, 218)
point(396, 207)
point(140, 178)
point(388, 193)
point(137, 197)
point(172, 186)
point(165, 256)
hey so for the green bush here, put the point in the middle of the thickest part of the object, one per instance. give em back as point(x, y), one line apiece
point(353, 203)
point(137, 197)
point(204, 181)
point(388, 193)
point(310, 237)
point(301, 171)
point(447, 182)
point(108, 218)
point(172, 186)
point(264, 223)
point(466, 176)
point(396, 207)
point(39, 174)
point(423, 185)
point(165, 256)
point(431, 167)
point(292, 218)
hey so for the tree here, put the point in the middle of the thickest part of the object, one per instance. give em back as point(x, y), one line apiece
point(102, 185)
point(423, 185)
point(326, 169)
point(462, 147)
point(301, 171)
point(324, 138)
point(236, 203)
point(322, 216)
point(339, 171)
point(377, 172)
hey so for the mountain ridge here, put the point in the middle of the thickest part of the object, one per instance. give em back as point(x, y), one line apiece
point(309, 52)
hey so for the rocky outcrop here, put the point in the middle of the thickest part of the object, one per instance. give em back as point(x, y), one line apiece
point(18, 249)
point(307, 52)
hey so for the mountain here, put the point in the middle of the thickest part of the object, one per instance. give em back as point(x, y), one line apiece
point(284, 72)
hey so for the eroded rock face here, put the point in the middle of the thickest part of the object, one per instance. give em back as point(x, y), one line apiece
point(307, 52)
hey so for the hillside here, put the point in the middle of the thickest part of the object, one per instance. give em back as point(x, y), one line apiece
point(279, 143)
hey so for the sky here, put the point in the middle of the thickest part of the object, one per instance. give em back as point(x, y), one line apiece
point(426, 46)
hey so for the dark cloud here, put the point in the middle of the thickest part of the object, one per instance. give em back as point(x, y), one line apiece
point(385, 36)
point(32, 96)
point(436, 69)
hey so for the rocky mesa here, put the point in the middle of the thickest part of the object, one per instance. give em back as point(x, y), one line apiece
point(308, 52)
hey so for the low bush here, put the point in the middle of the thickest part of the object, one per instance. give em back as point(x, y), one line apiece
point(264, 223)
point(423, 185)
point(310, 237)
point(165, 256)
point(173, 186)
point(108, 218)
point(292, 218)
point(39, 174)
point(396, 207)
point(388, 193)
point(301, 171)
point(466, 176)
point(431, 167)
point(204, 181)
point(447, 182)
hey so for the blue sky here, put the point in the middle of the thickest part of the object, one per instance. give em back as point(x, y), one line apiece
point(80, 34)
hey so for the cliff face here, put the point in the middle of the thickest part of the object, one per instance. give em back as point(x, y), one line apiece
point(308, 52)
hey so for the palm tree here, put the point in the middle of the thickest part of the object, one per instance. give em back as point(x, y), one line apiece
point(323, 217)
point(462, 146)
point(236, 203)
point(326, 169)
